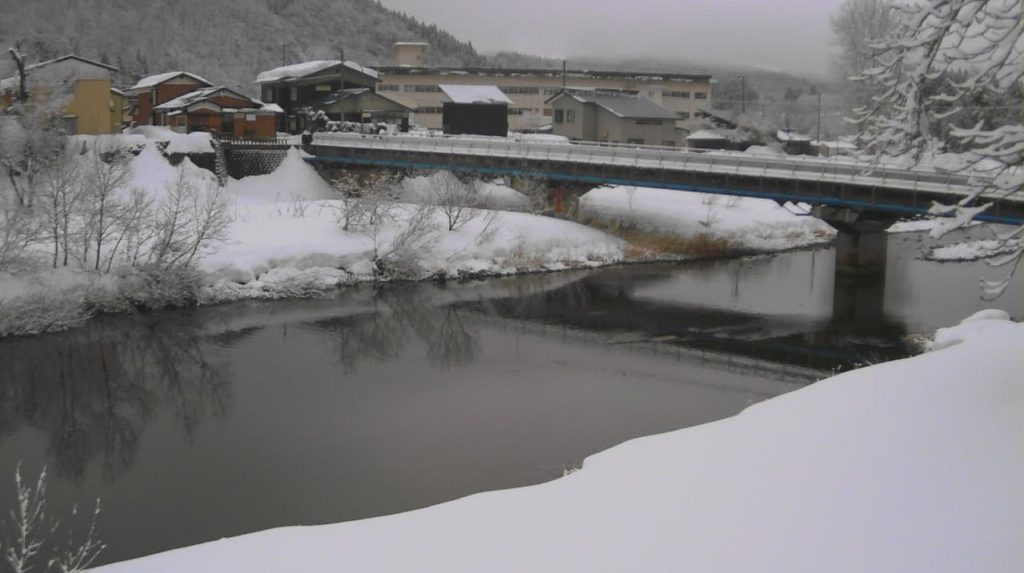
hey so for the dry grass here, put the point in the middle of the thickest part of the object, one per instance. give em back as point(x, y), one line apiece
point(644, 244)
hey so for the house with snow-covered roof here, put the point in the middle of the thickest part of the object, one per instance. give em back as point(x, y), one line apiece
point(474, 109)
point(157, 89)
point(220, 111)
point(613, 116)
point(78, 86)
point(362, 105)
point(295, 87)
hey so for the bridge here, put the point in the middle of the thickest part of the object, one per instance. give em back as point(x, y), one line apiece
point(859, 199)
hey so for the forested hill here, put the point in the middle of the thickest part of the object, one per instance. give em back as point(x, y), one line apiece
point(226, 41)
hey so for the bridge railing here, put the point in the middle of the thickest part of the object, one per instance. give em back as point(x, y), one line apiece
point(791, 167)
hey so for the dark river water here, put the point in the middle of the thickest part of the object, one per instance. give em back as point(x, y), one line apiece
point(199, 424)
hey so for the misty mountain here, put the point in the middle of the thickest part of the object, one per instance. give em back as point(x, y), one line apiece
point(226, 41)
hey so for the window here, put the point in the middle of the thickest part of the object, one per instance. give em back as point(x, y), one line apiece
point(408, 88)
point(250, 117)
point(683, 114)
point(294, 93)
point(389, 88)
point(559, 115)
point(700, 95)
point(429, 110)
point(682, 95)
point(425, 88)
point(547, 112)
point(268, 95)
point(520, 90)
point(570, 116)
point(323, 88)
point(648, 122)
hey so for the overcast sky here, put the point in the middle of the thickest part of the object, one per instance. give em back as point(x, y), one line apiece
point(791, 35)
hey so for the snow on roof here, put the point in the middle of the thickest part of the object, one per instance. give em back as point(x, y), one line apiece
point(474, 94)
point(117, 91)
point(624, 105)
point(790, 135)
point(12, 82)
point(704, 134)
point(304, 69)
point(196, 96)
point(272, 107)
point(157, 79)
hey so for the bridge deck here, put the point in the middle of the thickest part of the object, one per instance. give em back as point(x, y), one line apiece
point(838, 181)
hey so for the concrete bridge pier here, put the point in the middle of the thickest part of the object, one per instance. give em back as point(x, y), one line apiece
point(861, 243)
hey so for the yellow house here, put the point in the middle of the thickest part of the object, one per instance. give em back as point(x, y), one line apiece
point(85, 90)
point(117, 101)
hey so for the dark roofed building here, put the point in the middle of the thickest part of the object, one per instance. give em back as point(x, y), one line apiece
point(362, 105)
point(614, 116)
point(295, 87)
point(474, 109)
point(218, 110)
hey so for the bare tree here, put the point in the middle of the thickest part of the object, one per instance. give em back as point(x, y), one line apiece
point(60, 194)
point(856, 26)
point(457, 199)
point(19, 228)
point(367, 197)
point(32, 530)
point(108, 172)
point(192, 217)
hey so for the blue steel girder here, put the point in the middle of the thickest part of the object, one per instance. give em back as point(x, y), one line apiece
point(840, 200)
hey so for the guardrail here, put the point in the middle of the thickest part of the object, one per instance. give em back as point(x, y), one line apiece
point(671, 158)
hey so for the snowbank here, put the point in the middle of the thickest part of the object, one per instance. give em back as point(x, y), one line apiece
point(293, 180)
point(756, 224)
point(195, 142)
point(912, 465)
point(490, 195)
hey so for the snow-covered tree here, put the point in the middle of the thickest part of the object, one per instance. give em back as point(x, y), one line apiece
point(941, 58)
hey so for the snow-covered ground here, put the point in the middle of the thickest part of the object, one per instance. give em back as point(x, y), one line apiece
point(757, 224)
point(912, 465)
point(285, 236)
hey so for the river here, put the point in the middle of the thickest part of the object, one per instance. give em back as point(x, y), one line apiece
point(197, 424)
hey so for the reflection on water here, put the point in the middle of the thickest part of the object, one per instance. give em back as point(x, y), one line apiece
point(199, 424)
point(91, 391)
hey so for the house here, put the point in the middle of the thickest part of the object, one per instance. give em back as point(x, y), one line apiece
point(621, 117)
point(409, 53)
point(362, 105)
point(296, 87)
point(154, 90)
point(476, 110)
point(794, 143)
point(82, 84)
point(220, 111)
point(706, 139)
point(117, 102)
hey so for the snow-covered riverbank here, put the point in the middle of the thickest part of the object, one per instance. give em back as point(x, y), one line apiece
point(285, 238)
point(913, 465)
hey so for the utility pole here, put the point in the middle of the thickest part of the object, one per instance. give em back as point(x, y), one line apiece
point(563, 73)
point(819, 117)
point(282, 54)
point(743, 91)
